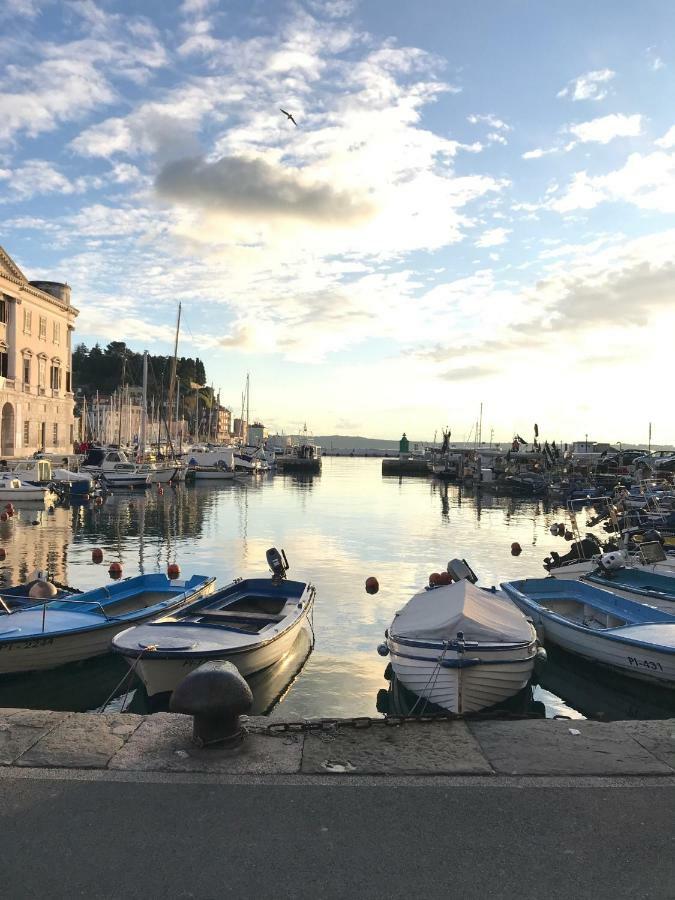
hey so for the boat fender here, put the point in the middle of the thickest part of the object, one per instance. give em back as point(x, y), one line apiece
point(541, 655)
point(435, 579)
point(383, 650)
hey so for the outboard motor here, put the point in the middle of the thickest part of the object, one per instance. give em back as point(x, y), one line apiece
point(460, 570)
point(278, 564)
point(611, 562)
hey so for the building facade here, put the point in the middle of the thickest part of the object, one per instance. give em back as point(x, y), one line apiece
point(257, 434)
point(36, 390)
point(224, 424)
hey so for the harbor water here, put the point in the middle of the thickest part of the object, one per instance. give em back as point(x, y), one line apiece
point(337, 529)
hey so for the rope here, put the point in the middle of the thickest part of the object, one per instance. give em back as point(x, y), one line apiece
point(128, 675)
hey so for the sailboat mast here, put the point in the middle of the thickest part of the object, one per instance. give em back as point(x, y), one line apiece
point(144, 405)
point(248, 386)
point(124, 370)
point(172, 378)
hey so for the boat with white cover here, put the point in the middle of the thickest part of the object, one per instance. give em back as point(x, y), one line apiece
point(461, 647)
point(634, 638)
point(252, 623)
point(52, 633)
point(114, 469)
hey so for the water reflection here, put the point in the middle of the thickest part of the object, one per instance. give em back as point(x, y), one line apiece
point(337, 530)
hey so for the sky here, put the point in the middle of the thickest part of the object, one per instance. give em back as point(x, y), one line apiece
point(475, 206)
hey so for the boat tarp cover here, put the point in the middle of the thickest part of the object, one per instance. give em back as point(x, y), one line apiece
point(440, 613)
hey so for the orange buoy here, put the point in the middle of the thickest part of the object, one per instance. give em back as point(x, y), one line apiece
point(444, 578)
point(372, 585)
point(516, 549)
point(435, 579)
point(3, 517)
point(8, 506)
point(97, 555)
point(2, 553)
point(160, 490)
point(173, 570)
point(10, 513)
point(115, 570)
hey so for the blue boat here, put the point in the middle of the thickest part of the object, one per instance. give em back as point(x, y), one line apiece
point(633, 638)
point(18, 597)
point(55, 632)
point(634, 583)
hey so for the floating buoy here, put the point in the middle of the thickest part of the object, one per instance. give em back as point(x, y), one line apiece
point(173, 570)
point(435, 579)
point(554, 530)
point(516, 549)
point(569, 536)
point(2, 553)
point(98, 501)
point(444, 578)
point(8, 506)
point(3, 517)
point(10, 513)
point(97, 555)
point(115, 570)
point(160, 490)
point(372, 585)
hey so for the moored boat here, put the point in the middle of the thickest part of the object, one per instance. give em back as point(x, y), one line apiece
point(12, 488)
point(461, 647)
point(634, 638)
point(55, 632)
point(252, 623)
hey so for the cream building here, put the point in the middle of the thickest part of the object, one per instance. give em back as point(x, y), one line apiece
point(36, 390)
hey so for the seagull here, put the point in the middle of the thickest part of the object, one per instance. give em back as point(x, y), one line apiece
point(288, 116)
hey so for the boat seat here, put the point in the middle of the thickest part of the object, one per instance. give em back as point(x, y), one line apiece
point(242, 616)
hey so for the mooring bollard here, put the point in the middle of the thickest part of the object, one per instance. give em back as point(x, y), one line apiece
point(215, 695)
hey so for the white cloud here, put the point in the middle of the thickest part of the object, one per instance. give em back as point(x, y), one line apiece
point(538, 152)
point(606, 128)
point(591, 86)
point(493, 237)
point(490, 120)
point(654, 60)
point(668, 139)
point(646, 181)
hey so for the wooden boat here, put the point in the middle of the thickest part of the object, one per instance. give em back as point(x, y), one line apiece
point(60, 631)
point(636, 639)
point(252, 623)
point(461, 647)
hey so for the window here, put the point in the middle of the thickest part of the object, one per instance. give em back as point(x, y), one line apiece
point(26, 433)
point(27, 321)
point(26, 370)
point(68, 387)
point(3, 310)
point(55, 378)
point(56, 434)
point(72, 434)
point(42, 333)
point(42, 372)
point(56, 332)
point(3, 360)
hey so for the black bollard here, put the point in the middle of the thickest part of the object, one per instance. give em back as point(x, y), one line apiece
point(215, 695)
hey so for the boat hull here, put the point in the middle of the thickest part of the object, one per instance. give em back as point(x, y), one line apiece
point(435, 674)
point(163, 675)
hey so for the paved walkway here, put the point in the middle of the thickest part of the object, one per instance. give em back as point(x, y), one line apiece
point(161, 743)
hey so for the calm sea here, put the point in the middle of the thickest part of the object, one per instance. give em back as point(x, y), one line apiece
point(337, 529)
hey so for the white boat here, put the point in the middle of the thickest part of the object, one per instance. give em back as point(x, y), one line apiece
point(160, 473)
point(114, 468)
point(252, 623)
point(12, 488)
point(461, 647)
point(634, 638)
point(213, 473)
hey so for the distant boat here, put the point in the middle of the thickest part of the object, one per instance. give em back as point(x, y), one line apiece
point(12, 488)
point(53, 633)
point(114, 469)
point(461, 647)
point(636, 639)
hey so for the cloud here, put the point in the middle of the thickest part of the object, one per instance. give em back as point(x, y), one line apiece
point(257, 188)
point(493, 237)
point(606, 128)
point(538, 152)
point(490, 120)
point(646, 181)
point(468, 373)
point(668, 139)
point(36, 177)
point(591, 86)
point(654, 60)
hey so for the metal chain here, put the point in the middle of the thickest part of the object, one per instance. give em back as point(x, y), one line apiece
point(362, 722)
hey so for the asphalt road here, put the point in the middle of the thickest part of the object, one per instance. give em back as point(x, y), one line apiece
point(108, 839)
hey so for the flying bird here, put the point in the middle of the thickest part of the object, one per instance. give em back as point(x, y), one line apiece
point(288, 116)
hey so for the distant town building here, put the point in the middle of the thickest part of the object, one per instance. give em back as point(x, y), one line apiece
point(224, 423)
point(257, 434)
point(36, 391)
point(238, 427)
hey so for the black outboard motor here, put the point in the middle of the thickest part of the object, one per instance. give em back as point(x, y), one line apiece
point(278, 564)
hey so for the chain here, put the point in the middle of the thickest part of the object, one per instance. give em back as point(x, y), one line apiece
point(363, 722)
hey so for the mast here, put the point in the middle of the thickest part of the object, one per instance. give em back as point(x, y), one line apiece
point(124, 370)
point(248, 386)
point(172, 377)
point(144, 405)
point(480, 425)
